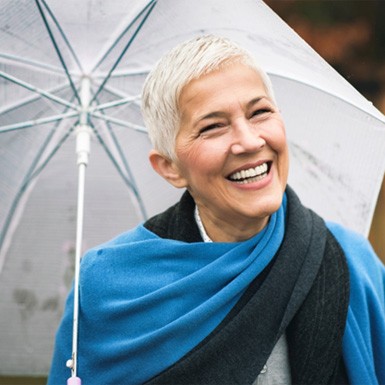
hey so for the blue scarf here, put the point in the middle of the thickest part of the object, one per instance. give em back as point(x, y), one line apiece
point(161, 297)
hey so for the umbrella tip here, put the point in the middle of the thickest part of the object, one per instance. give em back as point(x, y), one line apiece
point(74, 381)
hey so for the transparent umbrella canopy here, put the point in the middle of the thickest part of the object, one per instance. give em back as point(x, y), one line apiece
point(71, 75)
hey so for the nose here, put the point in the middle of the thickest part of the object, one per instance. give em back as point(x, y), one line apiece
point(246, 138)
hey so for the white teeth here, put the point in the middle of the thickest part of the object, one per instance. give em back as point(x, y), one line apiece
point(255, 173)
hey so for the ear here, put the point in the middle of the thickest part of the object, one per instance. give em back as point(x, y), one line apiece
point(167, 168)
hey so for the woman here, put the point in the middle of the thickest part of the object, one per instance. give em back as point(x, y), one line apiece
point(238, 283)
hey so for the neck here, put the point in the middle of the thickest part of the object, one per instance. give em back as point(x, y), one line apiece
point(218, 230)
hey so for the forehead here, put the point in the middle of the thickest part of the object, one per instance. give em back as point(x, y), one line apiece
point(235, 83)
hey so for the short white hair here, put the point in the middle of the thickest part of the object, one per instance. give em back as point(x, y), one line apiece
point(187, 61)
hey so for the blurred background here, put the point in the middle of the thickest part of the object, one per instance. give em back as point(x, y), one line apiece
point(350, 35)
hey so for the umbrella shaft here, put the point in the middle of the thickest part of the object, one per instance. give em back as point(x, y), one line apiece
point(79, 238)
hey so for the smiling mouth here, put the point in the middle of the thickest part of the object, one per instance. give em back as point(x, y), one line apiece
point(251, 175)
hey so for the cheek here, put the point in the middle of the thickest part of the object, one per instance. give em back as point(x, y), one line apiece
point(190, 161)
point(282, 149)
point(207, 155)
point(275, 135)
point(276, 138)
point(283, 154)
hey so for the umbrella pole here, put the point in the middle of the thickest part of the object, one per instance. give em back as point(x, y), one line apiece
point(83, 133)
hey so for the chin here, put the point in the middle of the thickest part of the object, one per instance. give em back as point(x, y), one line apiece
point(268, 208)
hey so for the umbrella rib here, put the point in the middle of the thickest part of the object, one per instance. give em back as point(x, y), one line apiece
point(127, 72)
point(36, 172)
point(119, 122)
point(37, 90)
point(121, 94)
point(29, 100)
point(278, 75)
point(134, 186)
point(121, 35)
point(128, 182)
point(116, 103)
point(116, 92)
point(33, 63)
point(37, 122)
point(30, 175)
point(55, 44)
point(150, 7)
point(79, 64)
point(112, 158)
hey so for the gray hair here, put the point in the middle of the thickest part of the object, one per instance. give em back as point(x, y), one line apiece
point(184, 63)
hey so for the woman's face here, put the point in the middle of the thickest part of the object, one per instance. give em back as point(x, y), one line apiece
point(231, 152)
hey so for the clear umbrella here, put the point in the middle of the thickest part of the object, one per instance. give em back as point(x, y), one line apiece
point(72, 72)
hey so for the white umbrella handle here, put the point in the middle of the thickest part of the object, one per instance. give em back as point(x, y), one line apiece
point(83, 145)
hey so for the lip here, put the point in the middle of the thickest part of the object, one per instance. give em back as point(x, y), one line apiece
point(251, 165)
point(254, 186)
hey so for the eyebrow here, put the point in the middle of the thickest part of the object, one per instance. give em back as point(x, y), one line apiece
point(219, 114)
point(255, 101)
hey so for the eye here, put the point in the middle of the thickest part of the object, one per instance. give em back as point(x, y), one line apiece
point(210, 127)
point(261, 112)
